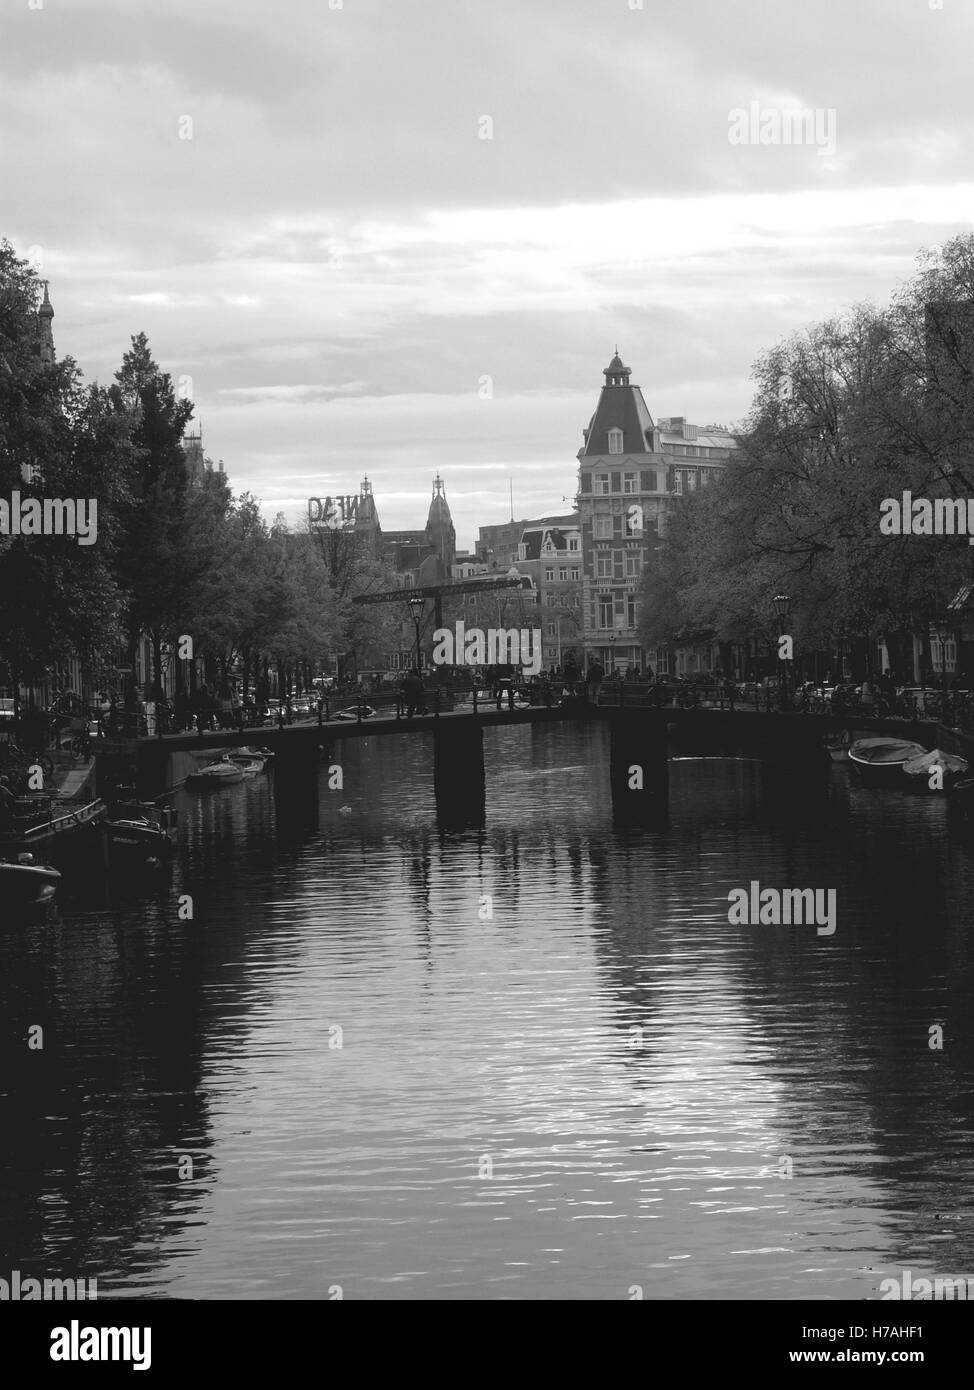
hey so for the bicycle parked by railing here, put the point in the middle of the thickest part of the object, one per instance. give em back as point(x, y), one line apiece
point(16, 764)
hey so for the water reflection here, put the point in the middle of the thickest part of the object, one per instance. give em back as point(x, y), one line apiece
point(532, 1060)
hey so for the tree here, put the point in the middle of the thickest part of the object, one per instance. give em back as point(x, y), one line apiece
point(58, 440)
point(157, 562)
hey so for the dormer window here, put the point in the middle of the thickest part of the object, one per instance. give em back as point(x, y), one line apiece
point(615, 441)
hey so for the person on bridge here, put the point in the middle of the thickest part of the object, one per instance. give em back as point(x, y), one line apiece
point(505, 686)
point(6, 804)
point(413, 691)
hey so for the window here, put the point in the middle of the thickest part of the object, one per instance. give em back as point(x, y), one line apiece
point(603, 528)
point(662, 661)
point(551, 630)
point(603, 566)
point(575, 573)
point(629, 482)
point(630, 611)
point(615, 441)
point(605, 611)
point(573, 543)
point(563, 575)
point(549, 576)
point(602, 484)
point(632, 564)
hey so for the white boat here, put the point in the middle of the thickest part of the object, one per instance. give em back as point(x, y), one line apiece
point(251, 769)
point(352, 712)
point(878, 762)
point(917, 771)
point(221, 774)
point(246, 756)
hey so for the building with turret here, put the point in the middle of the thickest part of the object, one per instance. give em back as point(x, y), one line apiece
point(631, 472)
point(426, 556)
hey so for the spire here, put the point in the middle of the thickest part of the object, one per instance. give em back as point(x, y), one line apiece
point(440, 532)
point(46, 334)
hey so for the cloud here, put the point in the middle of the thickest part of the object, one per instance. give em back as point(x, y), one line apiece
point(338, 260)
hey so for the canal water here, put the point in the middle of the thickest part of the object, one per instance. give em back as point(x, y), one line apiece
point(536, 1062)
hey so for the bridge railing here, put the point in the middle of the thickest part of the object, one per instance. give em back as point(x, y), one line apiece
point(954, 710)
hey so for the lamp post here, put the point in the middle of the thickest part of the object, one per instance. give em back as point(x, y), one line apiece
point(612, 653)
point(782, 607)
point(416, 606)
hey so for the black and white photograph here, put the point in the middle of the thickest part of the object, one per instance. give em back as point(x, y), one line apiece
point(487, 668)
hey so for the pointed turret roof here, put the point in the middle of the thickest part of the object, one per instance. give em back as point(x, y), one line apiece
point(621, 406)
point(439, 513)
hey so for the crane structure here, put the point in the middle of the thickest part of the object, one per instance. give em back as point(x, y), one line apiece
point(437, 592)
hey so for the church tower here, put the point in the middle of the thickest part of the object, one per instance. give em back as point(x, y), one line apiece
point(440, 532)
point(45, 346)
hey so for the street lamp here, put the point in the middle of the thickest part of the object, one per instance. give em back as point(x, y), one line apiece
point(612, 651)
point(782, 607)
point(416, 606)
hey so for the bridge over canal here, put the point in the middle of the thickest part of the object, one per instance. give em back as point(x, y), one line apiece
point(642, 739)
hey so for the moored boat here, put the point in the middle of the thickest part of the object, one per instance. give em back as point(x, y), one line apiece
point(219, 774)
point(879, 762)
point(139, 831)
point(40, 821)
point(838, 746)
point(920, 772)
point(961, 798)
point(352, 712)
point(246, 756)
point(25, 883)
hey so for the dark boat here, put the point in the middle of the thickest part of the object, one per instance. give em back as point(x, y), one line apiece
point(960, 799)
point(879, 762)
point(41, 821)
point(23, 883)
point(139, 831)
point(918, 772)
point(838, 746)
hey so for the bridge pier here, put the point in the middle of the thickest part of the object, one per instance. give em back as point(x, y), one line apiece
point(458, 775)
point(296, 786)
point(639, 769)
point(152, 770)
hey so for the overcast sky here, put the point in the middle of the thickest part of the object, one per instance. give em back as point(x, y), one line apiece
point(338, 259)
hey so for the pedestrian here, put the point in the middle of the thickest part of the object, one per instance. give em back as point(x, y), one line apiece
point(413, 690)
point(7, 801)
